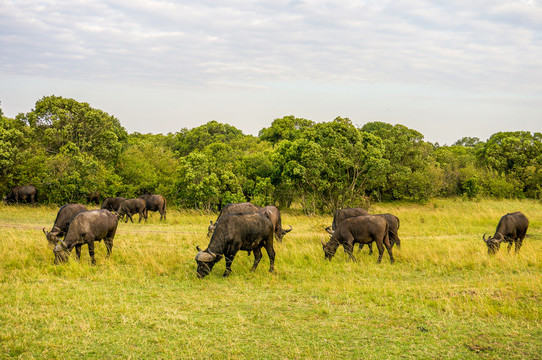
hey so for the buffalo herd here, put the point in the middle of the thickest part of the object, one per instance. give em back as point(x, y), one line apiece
point(239, 226)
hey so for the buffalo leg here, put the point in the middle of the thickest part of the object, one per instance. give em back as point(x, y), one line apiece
point(380, 247)
point(91, 252)
point(257, 258)
point(229, 261)
point(388, 247)
point(78, 252)
point(128, 215)
point(108, 245)
point(348, 249)
point(510, 246)
point(271, 253)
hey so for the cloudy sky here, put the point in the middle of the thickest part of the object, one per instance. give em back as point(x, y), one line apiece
point(445, 68)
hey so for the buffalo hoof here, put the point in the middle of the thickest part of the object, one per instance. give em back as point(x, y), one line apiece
point(226, 273)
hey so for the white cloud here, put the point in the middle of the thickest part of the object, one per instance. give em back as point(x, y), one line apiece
point(482, 46)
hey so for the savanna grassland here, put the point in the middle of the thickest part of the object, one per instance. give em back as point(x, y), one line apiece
point(444, 298)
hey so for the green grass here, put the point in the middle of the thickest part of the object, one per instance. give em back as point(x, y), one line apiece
point(444, 297)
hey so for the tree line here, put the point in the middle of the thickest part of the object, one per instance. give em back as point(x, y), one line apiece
point(69, 150)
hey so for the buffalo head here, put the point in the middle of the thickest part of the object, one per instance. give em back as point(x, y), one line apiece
point(284, 232)
point(206, 260)
point(51, 236)
point(61, 252)
point(330, 248)
point(493, 243)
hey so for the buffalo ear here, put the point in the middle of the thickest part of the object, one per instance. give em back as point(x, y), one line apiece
point(211, 222)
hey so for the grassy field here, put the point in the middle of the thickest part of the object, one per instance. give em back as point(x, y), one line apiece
point(444, 298)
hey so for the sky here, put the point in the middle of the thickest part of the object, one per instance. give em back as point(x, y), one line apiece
point(447, 69)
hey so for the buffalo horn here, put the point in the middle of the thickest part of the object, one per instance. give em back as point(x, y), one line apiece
point(44, 231)
point(328, 229)
point(197, 248)
point(287, 231)
point(484, 237)
point(205, 256)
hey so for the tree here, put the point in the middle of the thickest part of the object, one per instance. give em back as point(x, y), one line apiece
point(201, 136)
point(286, 128)
point(58, 121)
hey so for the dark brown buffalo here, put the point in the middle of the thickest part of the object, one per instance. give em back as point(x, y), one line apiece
point(360, 230)
point(234, 232)
point(112, 203)
point(130, 207)
point(512, 228)
point(62, 221)
point(274, 215)
point(233, 208)
point(86, 228)
point(27, 193)
point(342, 214)
point(393, 223)
point(155, 203)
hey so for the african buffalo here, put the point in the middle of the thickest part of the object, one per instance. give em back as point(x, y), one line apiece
point(342, 214)
point(239, 208)
point(112, 203)
point(274, 215)
point(86, 228)
point(62, 221)
point(155, 203)
point(27, 193)
point(512, 228)
point(360, 229)
point(130, 207)
point(393, 223)
point(234, 232)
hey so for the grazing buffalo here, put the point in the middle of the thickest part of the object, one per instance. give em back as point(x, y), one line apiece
point(234, 208)
point(62, 221)
point(361, 230)
point(112, 203)
point(342, 214)
point(393, 223)
point(130, 207)
point(512, 228)
point(86, 228)
point(234, 232)
point(155, 203)
point(27, 193)
point(274, 215)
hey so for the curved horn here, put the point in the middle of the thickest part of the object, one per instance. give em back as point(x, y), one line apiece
point(44, 231)
point(328, 229)
point(287, 231)
point(197, 248)
point(484, 237)
point(205, 256)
